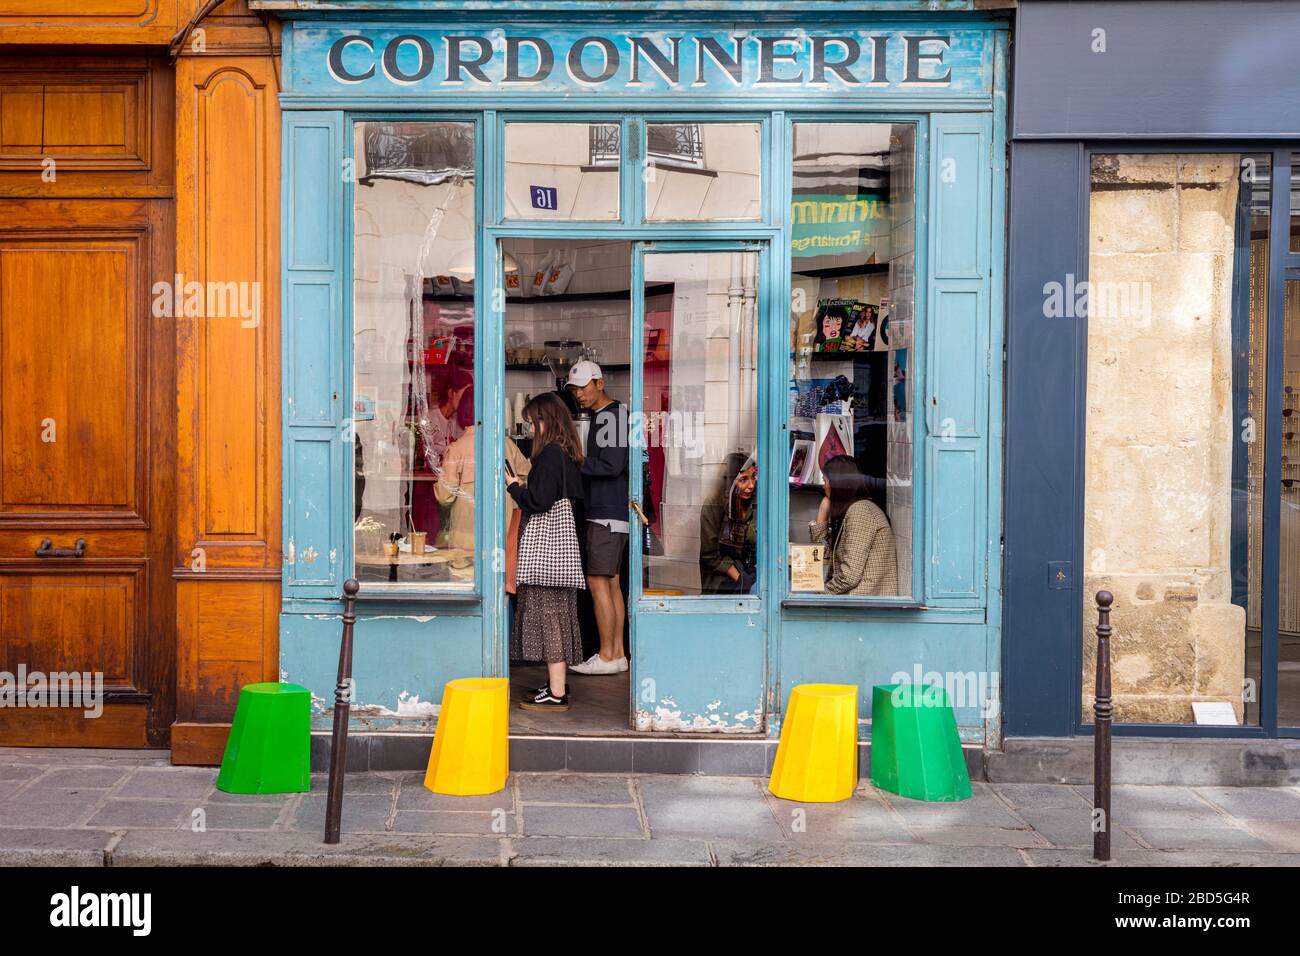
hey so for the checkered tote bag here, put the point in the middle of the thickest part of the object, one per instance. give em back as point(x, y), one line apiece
point(548, 549)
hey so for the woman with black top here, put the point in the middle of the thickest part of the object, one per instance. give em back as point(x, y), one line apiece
point(545, 625)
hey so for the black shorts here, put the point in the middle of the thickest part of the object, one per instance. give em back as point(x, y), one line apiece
point(604, 550)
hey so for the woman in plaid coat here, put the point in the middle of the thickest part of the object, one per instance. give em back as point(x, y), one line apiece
point(545, 625)
point(861, 551)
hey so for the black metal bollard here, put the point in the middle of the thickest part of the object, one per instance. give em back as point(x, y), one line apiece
point(1101, 715)
point(342, 705)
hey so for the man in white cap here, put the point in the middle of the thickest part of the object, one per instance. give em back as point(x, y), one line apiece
point(605, 485)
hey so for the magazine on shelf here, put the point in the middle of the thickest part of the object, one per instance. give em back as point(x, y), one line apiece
point(834, 436)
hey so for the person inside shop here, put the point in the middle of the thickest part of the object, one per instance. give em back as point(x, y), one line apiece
point(438, 428)
point(860, 543)
point(605, 497)
point(455, 485)
point(550, 568)
point(729, 536)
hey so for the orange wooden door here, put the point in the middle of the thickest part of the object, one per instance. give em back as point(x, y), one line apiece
point(87, 419)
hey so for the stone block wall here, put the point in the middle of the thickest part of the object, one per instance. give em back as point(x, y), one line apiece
point(1158, 501)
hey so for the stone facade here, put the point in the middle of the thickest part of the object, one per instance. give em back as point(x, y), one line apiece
point(1160, 432)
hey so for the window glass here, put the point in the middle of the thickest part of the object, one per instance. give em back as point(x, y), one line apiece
point(700, 172)
point(1295, 202)
point(1288, 643)
point(413, 352)
point(1176, 306)
point(852, 359)
point(700, 487)
point(562, 171)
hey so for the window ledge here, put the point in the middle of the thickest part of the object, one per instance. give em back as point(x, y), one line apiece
point(418, 597)
point(856, 604)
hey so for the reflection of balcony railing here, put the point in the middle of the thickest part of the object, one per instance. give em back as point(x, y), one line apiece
point(425, 153)
point(667, 145)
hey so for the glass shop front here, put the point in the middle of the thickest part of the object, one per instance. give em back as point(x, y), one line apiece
point(742, 276)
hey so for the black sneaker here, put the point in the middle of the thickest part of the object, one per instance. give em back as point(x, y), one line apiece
point(543, 699)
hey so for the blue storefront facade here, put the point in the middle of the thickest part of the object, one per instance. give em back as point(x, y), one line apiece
point(730, 264)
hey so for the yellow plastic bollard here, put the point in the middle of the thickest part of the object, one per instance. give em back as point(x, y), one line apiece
point(817, 758)
point(471, 744)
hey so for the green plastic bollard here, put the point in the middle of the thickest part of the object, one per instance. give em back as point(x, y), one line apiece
point(915, 747)
point(269, 748)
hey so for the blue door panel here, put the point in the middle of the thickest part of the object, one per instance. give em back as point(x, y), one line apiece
point(699, 672)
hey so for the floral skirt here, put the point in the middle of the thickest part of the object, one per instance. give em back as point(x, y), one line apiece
point(545, 625)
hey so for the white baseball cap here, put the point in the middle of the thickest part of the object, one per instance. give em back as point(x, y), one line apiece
point(583, 372)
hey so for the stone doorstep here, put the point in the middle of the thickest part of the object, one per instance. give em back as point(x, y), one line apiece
point(1151, 761)
point(528, 754)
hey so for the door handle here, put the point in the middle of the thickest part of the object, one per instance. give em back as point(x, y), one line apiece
point(47, 550)
point(636, 506)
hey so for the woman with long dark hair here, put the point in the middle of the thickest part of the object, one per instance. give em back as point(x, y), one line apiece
point(860, 543)
point(729, 536)
point(545, 625)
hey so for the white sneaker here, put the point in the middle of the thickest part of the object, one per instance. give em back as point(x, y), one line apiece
point(596, 665)
point(622, 665)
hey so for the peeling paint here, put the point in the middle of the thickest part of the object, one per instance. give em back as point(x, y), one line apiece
point(410, 705)
point(309, 555)
point(289, 552)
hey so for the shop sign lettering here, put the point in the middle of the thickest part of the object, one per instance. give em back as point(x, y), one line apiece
point(385, 58)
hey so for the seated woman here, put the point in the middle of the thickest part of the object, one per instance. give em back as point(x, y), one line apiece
point(861, 545)
point(729, 536)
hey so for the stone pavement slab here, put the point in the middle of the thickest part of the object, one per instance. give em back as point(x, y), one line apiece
point(575, 788)
point(730, 853)
point(589, 821)
point(1071, 828)
point(171, 848)
point(455, 822)
point(1255, 803)
point(583, 851)
point(703, 807)
point(41, 846)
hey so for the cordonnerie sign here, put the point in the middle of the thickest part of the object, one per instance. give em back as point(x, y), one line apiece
point(387, 59)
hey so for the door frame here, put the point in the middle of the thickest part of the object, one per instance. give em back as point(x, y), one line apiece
point(643, 610)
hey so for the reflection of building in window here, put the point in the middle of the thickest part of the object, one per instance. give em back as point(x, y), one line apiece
point(666, 145)
point(417, 152)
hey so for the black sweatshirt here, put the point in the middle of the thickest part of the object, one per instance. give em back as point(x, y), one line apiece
point(554, 475)
point(604, 473)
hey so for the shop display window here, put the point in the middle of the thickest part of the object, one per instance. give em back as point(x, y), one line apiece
point(1176, 302)
point(413, 355)
point(852, 359)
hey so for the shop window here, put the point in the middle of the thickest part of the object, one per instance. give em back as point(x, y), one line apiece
point(703, 172)
point(564, 171)
point(701, 480)
point(413, 355)
point(1176, 305)
point(852, 359)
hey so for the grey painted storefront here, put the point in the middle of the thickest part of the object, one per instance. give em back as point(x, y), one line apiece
point(1183, 76)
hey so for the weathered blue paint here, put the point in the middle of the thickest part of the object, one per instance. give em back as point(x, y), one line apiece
point(401, 659)
point(708, 664)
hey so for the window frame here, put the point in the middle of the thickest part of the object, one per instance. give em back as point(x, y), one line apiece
point(914, 599)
